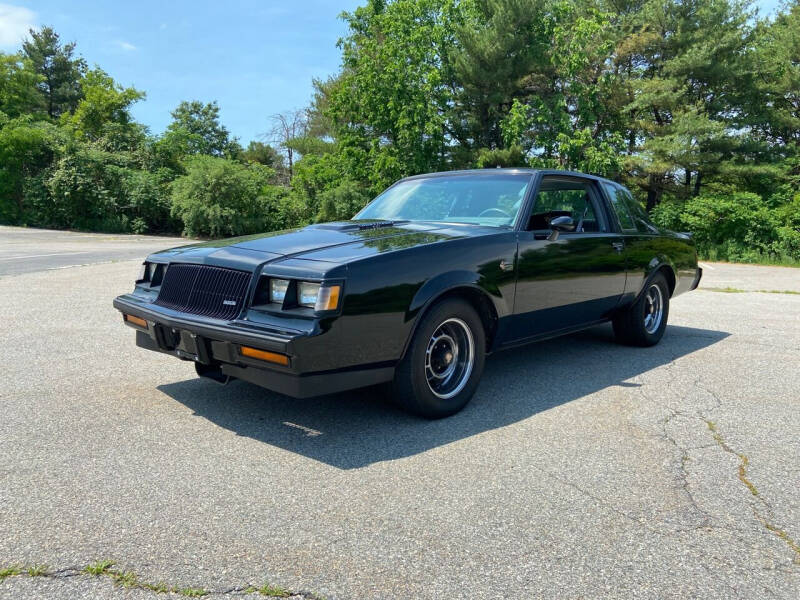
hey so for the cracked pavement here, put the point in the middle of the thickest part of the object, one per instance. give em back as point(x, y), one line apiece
point(581, 469)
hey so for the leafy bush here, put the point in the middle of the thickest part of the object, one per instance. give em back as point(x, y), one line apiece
point(147, 201)
point(83, 192)
point(737, 226)
point(742, 218)
point(342, 202)
point(668, 215)
point(219, 197)
point(26, 149)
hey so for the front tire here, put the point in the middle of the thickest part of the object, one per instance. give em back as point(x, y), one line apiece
point(644, 322)
point(444, 362)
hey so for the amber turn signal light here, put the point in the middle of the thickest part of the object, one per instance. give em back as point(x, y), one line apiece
point(135, 321)
point(273, 357)
point(328, 298)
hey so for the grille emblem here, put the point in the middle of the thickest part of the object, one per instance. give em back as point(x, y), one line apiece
point(229, 302)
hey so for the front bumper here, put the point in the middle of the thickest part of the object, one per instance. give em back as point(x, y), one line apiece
point(215, 346)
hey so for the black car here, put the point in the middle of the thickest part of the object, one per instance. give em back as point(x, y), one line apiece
point(435, 273)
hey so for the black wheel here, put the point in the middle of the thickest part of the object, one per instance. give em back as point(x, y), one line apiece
point(443, 363)
point(644, 322)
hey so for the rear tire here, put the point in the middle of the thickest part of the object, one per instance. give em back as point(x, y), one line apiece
point(644, 322)
point(443, 363)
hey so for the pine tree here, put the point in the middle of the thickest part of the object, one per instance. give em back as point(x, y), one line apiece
point(685, 61)
point(61, 73)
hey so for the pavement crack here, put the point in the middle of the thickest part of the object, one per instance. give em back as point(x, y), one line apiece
point(129, 579)
point(683, 451)
point(765, 516)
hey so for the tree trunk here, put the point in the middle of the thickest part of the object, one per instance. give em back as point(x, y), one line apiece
point(50, 107)
point(654, 191)
point(696, 191)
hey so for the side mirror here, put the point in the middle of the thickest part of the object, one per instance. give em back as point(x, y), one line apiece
point(562, 224)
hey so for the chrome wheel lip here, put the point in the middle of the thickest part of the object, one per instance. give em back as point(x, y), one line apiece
point(450, 381)
point(653, 309)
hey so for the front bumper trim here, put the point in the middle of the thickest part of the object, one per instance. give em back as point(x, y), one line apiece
point(215, 349)
point(267, 340)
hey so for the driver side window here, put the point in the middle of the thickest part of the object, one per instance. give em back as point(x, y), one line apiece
point(560, 197)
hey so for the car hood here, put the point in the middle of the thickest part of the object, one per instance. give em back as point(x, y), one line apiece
point(336, 242)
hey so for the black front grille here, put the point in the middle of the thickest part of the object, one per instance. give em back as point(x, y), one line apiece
point(203, 290)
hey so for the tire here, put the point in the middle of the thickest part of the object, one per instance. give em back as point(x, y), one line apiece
point(643, 323)
point(439, 383)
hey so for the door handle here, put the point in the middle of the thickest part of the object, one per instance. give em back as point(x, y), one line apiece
point(618, 246)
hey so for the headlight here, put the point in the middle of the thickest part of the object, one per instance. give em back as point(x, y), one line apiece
point(318, 297)
point(307, 293)
point(277, 290)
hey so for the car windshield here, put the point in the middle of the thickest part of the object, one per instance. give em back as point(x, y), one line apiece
point(493, 199)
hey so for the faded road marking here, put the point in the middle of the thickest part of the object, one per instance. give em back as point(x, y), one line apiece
point(41, 255)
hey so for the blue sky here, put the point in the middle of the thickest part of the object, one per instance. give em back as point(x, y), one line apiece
point(254, 57)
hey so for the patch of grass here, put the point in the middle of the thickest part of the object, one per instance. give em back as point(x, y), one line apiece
point(732, 290)
point(129, 579)
point(125, 579)
point(36, 570)
point(192, 592)
point(786, 538)
point(273, 590)
point(158, 588)
point(98, 568)
point(725, 290)
point(9, 572)
point(744, 462)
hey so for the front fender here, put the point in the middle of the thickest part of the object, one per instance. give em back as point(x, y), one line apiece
point(437, 286)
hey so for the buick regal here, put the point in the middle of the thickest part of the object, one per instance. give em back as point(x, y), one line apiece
point(434, 274)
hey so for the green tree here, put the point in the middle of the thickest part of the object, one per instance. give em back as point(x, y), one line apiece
point(685, 59)
point(61, 72)
point(773, 96)
point(500, 48)
point(196, 128)
point(104, 103)
point(263, 154)
point(18, 86)
point(387, 107)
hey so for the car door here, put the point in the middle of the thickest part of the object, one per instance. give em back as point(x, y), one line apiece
point(567, 278)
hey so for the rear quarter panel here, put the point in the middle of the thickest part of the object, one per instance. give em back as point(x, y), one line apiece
point(645, 253)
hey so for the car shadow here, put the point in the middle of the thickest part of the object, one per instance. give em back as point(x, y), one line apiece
point(354, 429)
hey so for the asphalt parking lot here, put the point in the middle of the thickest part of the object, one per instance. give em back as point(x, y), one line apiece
point(581, 469)
point(25, 250)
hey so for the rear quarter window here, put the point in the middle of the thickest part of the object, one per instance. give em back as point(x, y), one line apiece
point(639, 214)
point(620, 207)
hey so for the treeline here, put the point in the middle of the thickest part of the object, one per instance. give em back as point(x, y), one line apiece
point(695, 105)
point(71, 156)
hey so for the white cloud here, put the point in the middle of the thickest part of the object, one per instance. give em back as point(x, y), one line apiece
point(126, 46)
point(15, 21)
